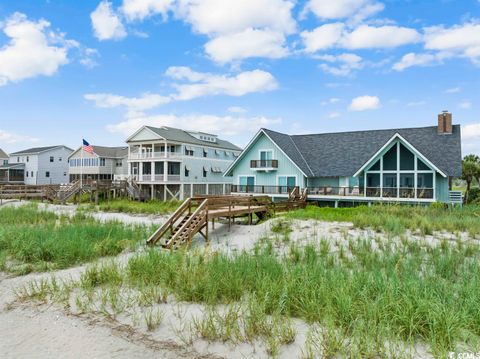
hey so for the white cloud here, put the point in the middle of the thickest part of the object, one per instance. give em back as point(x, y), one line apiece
point(8, 137)
point(219, 17)
point(338, 9)
point(371, 37)
point(363, 103)
point(471, 138)
point(205, 84)
point(32, 50)
point(190, 85)
point(141, 9)
point(347, 63)
point(462, 40)
point(413, 59)
point(453, 90)
point(240, 29)
point(338, 35)
point(144, 102)
point(106, 23)
point(246, 44)
point(465, 105)
point(226, 125)
point(323, 37)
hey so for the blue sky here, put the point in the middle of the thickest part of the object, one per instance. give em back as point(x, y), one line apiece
point(100, 69)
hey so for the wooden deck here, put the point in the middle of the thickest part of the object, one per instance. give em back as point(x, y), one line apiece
point(193, 215)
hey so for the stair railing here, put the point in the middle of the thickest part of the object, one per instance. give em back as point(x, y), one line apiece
point(202, 212)
point(168, 225)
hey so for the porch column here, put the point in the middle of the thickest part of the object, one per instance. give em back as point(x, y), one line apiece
point(140, 171)
point(152, 171)
point(166, 154)
point(415, 175)
point(152, 192)
point(224, 188)
point(381, 176)
point(182, 192)
point(398, 169)
point(165, 171)
point(140, 149)
point(207, 188)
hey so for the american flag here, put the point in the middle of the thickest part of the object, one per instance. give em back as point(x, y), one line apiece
point(87, 147)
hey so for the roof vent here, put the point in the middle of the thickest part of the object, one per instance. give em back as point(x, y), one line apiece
point(445, 123)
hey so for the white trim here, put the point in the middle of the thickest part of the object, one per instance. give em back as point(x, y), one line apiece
point(266, 150)
point(251, 143)
point(409, 146)
point(140, 129)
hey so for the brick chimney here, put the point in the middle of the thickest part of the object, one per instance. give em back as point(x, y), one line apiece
point(445, 123)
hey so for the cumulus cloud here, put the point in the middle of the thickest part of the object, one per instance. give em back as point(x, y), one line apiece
point(226, 125)
point(338, 35)
point(219, 17)
point(364, 103)
point(205, 84)
point(140, 9)
point(453, 90)
point(346, 63)
point(339, 9)
point(246, 44)
point(416, 103)
point(471, 138)
point(144, 102)
point(413, 59)
point(323, 37)
point(236, 109)
point(8, 137)
point(106, 23)
point(462, 40)
point(189, 84)
point(33, 49)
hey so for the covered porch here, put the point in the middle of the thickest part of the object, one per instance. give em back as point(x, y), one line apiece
point(12, 173)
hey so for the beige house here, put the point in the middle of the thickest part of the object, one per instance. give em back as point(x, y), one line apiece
point(106, 163)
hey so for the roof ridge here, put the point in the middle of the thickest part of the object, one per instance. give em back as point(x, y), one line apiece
point(301, 155)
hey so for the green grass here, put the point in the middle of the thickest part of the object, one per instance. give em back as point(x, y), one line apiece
point(31, 239)
point(371, 303)
point(396, 219)
point(128, 206)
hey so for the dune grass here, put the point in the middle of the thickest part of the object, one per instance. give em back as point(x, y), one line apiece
point(122, 205)
point(31, 239)
point(396, 219)
point(379, 300)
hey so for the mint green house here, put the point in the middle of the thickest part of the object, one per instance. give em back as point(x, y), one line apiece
point(396, 165)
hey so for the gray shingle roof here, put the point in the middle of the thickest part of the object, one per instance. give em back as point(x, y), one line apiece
point(178, 135)
point(111, 152)
point(343, 153)
point(3, 154)
point(35, 150)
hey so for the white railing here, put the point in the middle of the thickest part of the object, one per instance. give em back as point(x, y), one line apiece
point(152, 155)
point(159, 178)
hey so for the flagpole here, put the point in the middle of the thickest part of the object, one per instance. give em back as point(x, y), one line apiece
point(81, 166)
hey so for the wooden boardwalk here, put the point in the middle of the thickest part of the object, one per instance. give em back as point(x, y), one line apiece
point(193, 215)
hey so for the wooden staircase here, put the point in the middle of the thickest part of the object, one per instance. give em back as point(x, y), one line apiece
point(133, 190)
point(183, 225)
point(65, 192)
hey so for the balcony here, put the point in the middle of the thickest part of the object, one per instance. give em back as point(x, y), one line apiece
point(156, 178)
point(264, 165)
point(154, 155)
point(402, 193)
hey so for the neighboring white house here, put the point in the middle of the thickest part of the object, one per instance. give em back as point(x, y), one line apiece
point(106, 163)
point(3, 158)
point(170, 163)
point(43, 165)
